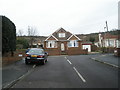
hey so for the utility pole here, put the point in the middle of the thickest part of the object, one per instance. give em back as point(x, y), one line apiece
point(104, 36)
point(119, 15)
point(108, 36)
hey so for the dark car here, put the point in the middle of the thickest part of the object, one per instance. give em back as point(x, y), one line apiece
point(36, 55)
point(27, 50)
point(117, 52)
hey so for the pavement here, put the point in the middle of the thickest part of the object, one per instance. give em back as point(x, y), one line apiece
point(108, 59)
point(13, 71)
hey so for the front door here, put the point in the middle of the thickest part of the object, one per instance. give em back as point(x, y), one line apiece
point(62, 47)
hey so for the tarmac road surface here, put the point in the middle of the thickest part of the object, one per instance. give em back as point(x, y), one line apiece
point(77, 71)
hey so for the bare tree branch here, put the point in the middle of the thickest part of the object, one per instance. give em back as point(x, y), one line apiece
point(20, 32)
point(31, 33)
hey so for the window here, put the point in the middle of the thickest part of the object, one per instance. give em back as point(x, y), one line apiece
point(118, 43)
point(106, 43)
point(36, 51)
point(61, 35)
point(73, 43)
point(111, 43)
point(51, 44)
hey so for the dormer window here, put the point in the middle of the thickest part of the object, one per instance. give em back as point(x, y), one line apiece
point(61, 35)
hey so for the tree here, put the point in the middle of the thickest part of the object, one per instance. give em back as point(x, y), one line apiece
point(8, 36)
point(92, 39)
point(31, 34)
point(22, 43)
point(20, 32)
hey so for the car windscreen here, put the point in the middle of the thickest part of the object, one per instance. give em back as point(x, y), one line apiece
point(36, 51)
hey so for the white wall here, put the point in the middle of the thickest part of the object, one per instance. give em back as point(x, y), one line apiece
point(87, 46)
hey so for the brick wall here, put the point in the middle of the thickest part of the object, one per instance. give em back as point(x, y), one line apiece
point(76, 51)
point(68, 50)
point(53, 51)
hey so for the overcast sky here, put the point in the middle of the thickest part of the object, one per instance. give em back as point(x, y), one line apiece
point(76, 16)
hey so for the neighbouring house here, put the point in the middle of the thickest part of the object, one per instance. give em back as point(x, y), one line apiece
point(97, 43)
point(108, 40)
point(62, 42)
point(37, 41)
point(86, 43)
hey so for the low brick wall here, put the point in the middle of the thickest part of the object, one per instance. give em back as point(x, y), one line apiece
point(8, 59)
point(70, 51)
point(53, 51)
point(76, 51)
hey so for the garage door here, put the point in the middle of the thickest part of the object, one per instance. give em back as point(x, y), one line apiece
point(87, 46)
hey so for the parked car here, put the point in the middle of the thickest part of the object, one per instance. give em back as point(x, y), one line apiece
point(27, 50)
point(36, 55)
point(117, 52)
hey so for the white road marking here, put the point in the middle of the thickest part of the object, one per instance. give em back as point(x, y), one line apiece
point(34, 66)
point(65, 57)
point(69, 61)
point(79, 74)
point(76, 71)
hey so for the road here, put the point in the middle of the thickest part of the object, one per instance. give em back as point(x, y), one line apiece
point(70, 72)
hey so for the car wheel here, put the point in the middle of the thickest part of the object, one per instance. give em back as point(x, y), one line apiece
point(26, 62)
point(46, 60)
point(43, 62)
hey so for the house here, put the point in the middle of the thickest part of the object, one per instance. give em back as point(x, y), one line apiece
point(37, 41)
point(62, 42)
point(108, 40)
point(86, 43)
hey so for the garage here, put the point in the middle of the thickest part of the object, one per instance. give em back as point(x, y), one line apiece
point(86, 46)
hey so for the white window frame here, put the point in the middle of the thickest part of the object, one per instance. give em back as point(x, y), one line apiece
point(73, 43)
point(111, 43)
point(51, 44)
point(61, 35)
point(118, 43)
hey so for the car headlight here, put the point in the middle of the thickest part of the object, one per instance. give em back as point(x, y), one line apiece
point(115, 51)
point(28, 57)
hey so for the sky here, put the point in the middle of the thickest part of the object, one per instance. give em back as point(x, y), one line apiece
point(75, 16)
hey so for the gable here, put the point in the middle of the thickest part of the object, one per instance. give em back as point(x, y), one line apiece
point(73, 37)
point(51, 37)
point(60, 31)
point(62, 34)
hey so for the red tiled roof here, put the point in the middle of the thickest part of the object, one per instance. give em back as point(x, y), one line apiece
point(61, 30)
point(109, 36)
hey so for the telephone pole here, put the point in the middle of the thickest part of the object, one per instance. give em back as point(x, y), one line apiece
point(108, 36)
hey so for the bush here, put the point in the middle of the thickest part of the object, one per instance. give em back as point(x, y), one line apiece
point(22, 43)
point(107, 49)
point(8, 35)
